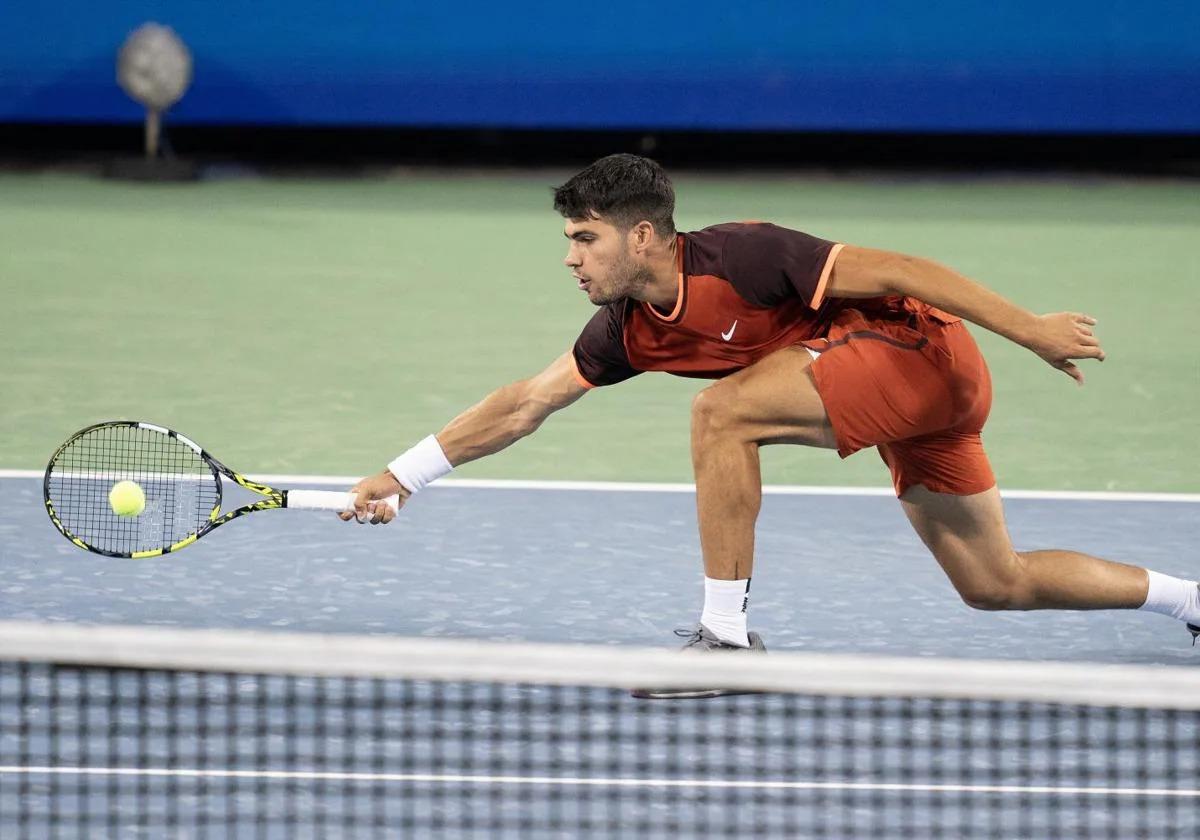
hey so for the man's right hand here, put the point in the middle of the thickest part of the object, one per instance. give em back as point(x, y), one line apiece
point(368, 492)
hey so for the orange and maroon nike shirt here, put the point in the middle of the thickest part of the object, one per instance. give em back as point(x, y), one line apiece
point(746, 289)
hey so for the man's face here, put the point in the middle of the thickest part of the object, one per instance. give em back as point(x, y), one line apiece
point(602, 260)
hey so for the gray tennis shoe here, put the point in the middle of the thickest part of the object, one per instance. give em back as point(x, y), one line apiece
point(703, 640)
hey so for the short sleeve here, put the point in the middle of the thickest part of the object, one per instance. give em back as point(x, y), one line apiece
point(768, 264)
point(600, 356)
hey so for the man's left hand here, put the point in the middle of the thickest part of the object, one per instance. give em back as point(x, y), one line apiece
point(1062, 336)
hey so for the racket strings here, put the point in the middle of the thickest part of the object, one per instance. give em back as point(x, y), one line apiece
point(180, 487)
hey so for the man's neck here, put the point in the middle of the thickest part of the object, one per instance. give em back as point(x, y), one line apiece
point(662, 290)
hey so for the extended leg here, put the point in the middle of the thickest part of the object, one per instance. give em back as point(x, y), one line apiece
point(968, 537)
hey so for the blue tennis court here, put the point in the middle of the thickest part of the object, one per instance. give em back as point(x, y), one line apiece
point(835, 574)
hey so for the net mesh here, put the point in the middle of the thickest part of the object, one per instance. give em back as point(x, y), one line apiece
point(272, 742)
point(181, 489)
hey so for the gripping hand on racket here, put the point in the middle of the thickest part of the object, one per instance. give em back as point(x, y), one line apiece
point(367, 495)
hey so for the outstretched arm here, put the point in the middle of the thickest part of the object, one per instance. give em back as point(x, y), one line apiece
point(510, 413)
point(1058, 337)
point(502, 418)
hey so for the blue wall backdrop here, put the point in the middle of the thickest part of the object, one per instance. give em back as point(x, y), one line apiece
point(1005, 65)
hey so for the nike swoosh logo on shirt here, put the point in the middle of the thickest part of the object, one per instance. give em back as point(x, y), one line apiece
point(729, 335)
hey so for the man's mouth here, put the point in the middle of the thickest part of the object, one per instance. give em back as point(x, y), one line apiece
point(583, 284)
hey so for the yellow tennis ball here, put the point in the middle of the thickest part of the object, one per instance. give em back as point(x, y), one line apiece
point(126, 498)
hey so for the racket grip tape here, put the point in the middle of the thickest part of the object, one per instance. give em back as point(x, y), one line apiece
point(336, 500)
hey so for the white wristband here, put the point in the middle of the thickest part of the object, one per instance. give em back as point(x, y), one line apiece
point(420, 465)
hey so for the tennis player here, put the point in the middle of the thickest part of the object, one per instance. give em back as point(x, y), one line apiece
point(810, 342)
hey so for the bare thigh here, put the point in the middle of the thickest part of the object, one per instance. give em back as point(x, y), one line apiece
point(773, 400)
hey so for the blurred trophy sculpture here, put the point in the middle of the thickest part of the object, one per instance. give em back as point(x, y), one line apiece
point(154, 68)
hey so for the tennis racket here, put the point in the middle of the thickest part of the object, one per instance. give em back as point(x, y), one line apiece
point(181, 483)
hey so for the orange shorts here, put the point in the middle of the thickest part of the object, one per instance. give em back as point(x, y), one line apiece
point(915, 386)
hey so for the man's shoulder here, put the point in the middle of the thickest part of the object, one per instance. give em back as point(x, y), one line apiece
point(705, 249)
point(749, 227)
point(712, 250)
point(766, 263)
point(599, 352)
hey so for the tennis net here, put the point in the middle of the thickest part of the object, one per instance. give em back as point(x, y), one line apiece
point(153, 732)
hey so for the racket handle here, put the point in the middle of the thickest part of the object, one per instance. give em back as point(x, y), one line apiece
point(335, 500)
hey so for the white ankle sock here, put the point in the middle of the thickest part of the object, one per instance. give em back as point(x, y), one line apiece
point(1173, 596)
point(724, 613)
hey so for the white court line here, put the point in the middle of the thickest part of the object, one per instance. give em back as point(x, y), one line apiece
point(573, 781)
point(652, 487)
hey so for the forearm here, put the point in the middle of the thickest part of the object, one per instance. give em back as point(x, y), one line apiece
point(1057, 337)
point(867, 272)
point(499, 420)
point(951, 292)
point(503, 417)
point(496, 422)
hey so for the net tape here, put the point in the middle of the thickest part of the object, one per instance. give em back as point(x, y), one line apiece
point(854, 675)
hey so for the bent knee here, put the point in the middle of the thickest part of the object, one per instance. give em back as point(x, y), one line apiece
point(1009, 591)
point(989, 597)
point(713, 408)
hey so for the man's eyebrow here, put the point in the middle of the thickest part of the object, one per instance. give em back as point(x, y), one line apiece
point(578, 234)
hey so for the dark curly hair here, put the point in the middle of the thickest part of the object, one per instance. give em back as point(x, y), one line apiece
point(625, 189)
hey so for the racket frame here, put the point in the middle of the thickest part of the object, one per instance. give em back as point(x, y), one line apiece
point(274, 498)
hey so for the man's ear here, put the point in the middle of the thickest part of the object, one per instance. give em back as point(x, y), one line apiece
point(641, 235)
